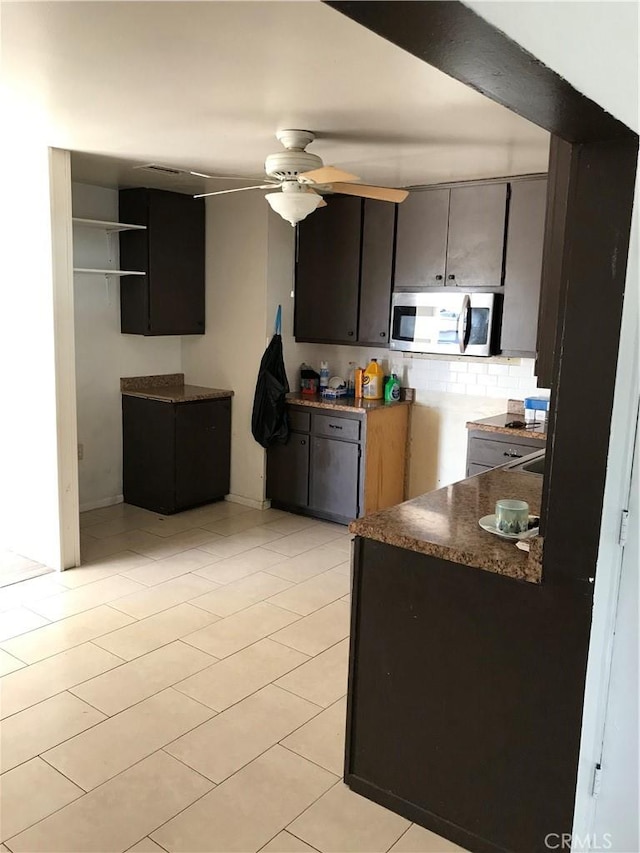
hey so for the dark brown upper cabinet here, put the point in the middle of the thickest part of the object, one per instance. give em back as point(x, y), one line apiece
point(523, 266)
point(170, 298)
point(376, 272)
point(344, 272)
point(475, 245)
point(421, 242)
point(328, 272)
point(452, 237)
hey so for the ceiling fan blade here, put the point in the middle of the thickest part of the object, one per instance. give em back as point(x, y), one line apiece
point(230, 177)
point(238, 190)
point(327, 175)
point(365, 191)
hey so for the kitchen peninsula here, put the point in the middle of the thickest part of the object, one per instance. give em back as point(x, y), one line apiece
point(454, 667)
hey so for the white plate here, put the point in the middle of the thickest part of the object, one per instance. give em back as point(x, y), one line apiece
point(488, 523)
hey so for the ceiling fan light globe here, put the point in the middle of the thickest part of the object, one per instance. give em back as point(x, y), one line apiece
point(293, 206)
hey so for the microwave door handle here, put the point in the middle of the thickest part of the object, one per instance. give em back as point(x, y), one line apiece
point(464, 323)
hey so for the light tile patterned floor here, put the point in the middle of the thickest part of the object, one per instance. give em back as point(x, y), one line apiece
point(185, 691)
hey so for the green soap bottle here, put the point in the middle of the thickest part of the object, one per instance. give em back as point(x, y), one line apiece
point(392, 389)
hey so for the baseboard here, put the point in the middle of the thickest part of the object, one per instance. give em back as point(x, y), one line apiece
point(239, 499)
point(117, 499)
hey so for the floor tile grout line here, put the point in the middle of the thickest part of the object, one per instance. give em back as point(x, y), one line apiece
point(264, 751)
point(74, 645)
point(64, 740)
point(306, 758)
point(93, 606)
point(188, 766)
point(231, 775)
point(257, 690)
point(305, 810)
point(158, 749)
point(302, 841)
point(88, 793)
point(324, 707)
point(68, 778)
point(155, 693)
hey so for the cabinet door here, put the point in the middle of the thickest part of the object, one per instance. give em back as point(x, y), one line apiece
point(376, 272)
point(523, 265)
point(421, 240)
point(148, 454)
point(335, 477)
point(203, 449)
point(288, 471)
point(475, 248)
point(170, 298)
point(328, 272)
point(176, 264)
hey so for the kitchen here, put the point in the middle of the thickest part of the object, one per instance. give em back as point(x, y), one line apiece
point(450, 390)
point(267, 319)
point(505, 367)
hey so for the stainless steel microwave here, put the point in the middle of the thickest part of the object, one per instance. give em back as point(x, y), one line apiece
point(453, 323)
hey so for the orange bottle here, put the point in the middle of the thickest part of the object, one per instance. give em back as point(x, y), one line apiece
point(358, 374)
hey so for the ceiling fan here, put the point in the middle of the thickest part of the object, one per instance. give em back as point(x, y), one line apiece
point(299, 179)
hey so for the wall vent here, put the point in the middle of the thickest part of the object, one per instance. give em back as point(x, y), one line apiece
point(166, 170)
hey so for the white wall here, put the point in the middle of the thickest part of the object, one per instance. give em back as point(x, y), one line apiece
point(228, 355)
point(30, 509)
point(594, 45)
point(103, 354)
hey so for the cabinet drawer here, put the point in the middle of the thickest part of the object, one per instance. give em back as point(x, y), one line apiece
point(344, 428)
point(299, 421)
point(483, 451)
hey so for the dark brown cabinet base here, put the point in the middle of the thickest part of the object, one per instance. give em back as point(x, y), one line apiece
point(340, 465)
point(175, 455)
point(465, 697)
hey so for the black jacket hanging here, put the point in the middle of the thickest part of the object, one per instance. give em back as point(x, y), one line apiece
point(269, 423)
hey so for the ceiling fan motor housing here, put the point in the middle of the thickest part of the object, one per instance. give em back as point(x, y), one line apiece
point(287, 165)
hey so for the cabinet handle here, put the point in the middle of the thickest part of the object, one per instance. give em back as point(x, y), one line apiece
point(334, 426)
point(350, 334)
point(512, 455)
point(451, 277)
point(303, 441)
point(439, 277)
point(383, 334)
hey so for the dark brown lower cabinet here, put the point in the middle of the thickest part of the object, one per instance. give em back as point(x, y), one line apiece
point(339, 466)
point(487, 450)
point(465, 697)
point(175, 455)
point(288, 471)
point(335, 477)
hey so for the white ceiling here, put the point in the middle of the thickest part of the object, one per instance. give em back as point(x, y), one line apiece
point(205, 85)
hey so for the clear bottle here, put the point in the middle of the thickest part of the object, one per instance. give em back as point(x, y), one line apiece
point(324, 375)
point(351, 379)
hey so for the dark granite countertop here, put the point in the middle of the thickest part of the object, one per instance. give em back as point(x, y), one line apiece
point(341, 404)
point(444, 524)
point(497, 424)
point(168, 388)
